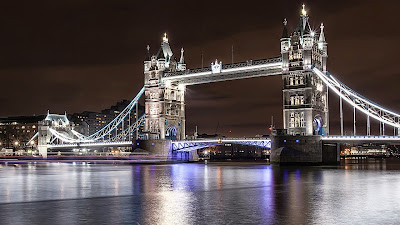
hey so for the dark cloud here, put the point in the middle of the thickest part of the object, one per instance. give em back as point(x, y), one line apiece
point(81, 55)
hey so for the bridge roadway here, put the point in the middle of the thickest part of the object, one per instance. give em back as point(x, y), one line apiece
point(362, 139)
point(248, 69)
point(195, 144)
point(176, 145)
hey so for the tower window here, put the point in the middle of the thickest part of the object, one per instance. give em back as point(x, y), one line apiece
point(291, 122)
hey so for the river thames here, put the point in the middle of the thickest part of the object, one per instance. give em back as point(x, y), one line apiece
point(356, 192)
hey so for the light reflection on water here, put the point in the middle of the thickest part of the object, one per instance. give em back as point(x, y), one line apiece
point(359, 191)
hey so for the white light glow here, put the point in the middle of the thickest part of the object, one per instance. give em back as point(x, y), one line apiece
point(320, 87)
point(165, 39)
point(303, 11)
point(239, 69)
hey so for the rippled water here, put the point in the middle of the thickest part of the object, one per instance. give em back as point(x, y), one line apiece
point(358, 192)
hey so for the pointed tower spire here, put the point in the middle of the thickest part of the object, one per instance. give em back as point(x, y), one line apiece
point(148, 57)
point(322, 35)
point(165, 39)
point(303, 10)
point(182, 59)
point(285, 31)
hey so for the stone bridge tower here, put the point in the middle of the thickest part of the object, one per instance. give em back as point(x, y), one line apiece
point(59, 123)
point(164, 101)
point(305, 96)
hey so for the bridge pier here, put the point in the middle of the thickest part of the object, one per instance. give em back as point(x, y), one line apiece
point(162, 150)
point(43, 151)
point(303, 150)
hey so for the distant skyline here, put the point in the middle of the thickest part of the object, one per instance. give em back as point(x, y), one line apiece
point(86, 55)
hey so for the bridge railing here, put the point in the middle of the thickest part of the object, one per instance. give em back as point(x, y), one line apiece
point(195, 144)
point(226, 66)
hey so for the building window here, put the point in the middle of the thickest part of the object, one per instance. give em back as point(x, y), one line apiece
point(291, 122)
point(296, 120)
point(297, 100)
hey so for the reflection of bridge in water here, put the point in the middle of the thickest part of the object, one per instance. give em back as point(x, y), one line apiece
point(302, 65)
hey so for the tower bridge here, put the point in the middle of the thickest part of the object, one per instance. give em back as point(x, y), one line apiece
point(306, 83)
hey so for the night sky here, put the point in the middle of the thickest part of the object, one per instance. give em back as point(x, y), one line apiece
point(85, 55)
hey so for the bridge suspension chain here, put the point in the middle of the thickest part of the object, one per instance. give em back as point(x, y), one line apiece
point(129, 130)
point(370, 108)
point(33, 138)
point(117, 121)
point(65, 138)
point(106, 129)
point(78, 135)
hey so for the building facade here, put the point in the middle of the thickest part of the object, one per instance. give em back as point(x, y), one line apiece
point(88, 123)
point(164, 101)
point(305, 96)
point(16, 132)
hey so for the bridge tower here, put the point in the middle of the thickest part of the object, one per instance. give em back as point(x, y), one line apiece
point(59, 123)
point(305, 97)
point(164, 101)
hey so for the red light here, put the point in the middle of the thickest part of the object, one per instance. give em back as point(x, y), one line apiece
point(270, 128)
point(230, 131)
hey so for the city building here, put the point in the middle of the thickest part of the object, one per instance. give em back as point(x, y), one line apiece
point(89, 122)
point(15, 132)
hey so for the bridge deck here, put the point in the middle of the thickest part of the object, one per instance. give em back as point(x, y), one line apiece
point(242, 70)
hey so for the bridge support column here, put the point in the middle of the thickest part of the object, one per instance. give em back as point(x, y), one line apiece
point(43, 138)
point(354, 121)
point(341, 115)
point(303, 150)
point(43, 151)
point(161, 150)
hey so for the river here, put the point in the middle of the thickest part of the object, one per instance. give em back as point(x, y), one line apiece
point(356, 192)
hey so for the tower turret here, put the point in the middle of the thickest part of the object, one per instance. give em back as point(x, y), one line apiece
point(181, 65)
point(285, 46)
point(308, 42)
point(323, 47)
point(147, 60)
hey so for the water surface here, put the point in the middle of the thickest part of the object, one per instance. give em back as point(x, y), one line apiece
point(357, 192)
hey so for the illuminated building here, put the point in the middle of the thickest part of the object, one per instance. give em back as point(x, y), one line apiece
point(305, 104)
